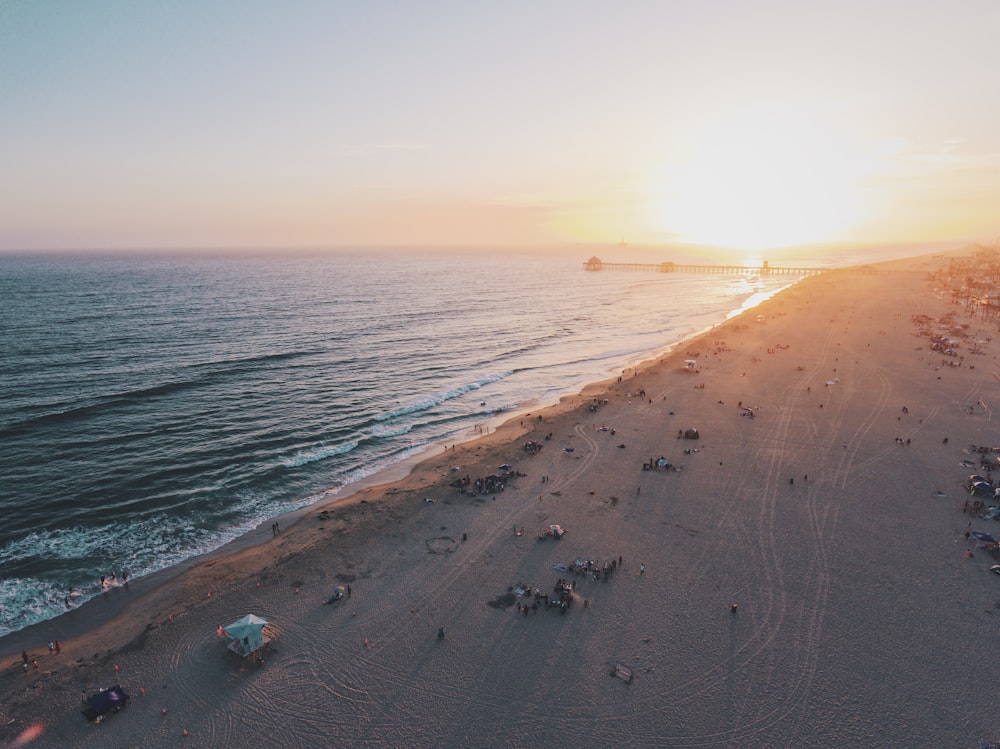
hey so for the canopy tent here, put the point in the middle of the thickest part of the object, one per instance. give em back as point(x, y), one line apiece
point(246, 634)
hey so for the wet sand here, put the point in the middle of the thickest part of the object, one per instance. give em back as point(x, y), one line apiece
point(832, 518)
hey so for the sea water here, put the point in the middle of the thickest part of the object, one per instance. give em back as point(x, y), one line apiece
point(154, 408)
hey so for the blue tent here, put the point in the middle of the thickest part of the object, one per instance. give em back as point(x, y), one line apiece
point(104, 702)
point(246, 635)
point(986, 538)
point(982, 489)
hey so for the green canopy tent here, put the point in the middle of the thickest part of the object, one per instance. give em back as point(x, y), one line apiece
point(246, 635)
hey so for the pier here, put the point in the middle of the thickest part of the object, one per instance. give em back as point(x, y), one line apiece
point(595, 264)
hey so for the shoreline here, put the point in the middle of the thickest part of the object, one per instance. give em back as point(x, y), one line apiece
point(110, 603)
point(810, 514)
point(103, 608)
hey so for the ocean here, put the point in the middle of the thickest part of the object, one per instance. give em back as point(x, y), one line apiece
point(153, 408)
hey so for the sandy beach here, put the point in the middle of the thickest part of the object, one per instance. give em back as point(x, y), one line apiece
point(803, 578)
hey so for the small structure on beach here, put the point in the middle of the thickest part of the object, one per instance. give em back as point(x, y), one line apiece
point(246, 635)
point(623, 672)
point(690, 365)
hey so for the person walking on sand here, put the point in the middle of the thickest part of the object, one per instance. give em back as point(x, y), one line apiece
point(642, 569)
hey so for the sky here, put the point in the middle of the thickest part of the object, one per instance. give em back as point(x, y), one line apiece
point(738, 124)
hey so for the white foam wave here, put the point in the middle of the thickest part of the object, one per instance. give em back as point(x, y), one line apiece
point(318, 453)
point(435, 399)
point(387, 431)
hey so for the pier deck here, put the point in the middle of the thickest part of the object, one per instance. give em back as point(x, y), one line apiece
point(596, 264)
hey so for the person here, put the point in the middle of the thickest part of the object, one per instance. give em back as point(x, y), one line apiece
point(642, 568)
point(440, 633)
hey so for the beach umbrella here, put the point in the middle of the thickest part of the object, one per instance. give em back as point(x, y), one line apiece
point(339, 592)
point(984, 537)
point(506, 467)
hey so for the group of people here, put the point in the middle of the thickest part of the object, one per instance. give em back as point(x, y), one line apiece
point(595, 571)
point(107, 582)
point(487, 485)
point(660, 464)
point(28, 663)
point(596, 403)
point(564, 591)
point(561, 598)
point(113, 581)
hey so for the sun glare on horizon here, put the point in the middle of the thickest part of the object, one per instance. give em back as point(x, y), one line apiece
point(762, 179)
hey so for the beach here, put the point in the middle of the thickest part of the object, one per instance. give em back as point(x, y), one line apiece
point(797, 573)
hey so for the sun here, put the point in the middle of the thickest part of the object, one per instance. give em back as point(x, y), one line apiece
point(771, 177)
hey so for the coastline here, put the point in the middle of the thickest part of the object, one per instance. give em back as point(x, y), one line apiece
point(378, 536)
point(172, 506)
point(103, 608)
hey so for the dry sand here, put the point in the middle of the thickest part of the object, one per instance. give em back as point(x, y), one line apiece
point(860, 622)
